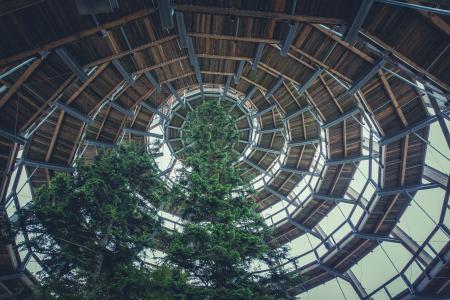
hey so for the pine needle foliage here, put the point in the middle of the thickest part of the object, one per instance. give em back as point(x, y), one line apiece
point(225, 236)
point(91, 227)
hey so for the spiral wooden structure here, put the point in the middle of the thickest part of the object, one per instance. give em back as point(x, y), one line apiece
point(329, 84)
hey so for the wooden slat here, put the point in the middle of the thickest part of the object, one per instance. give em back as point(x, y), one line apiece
point(74, 37)
point(397, 107)
point(55, 136)
point(13, 89)
point(55, 94)
point(259, 14)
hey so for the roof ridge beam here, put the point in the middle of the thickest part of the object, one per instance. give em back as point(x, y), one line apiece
point(154, 110)
point(240, 70)
point(121, 109)
point(301, 88)
point(94, 143)
point(119, 67)
point(359, 83)
point(248, 95)
point(142, 133)
point(298, 171)
point(258, 55)
point(406, 189)
point(433, 175)
point(186, 42)
point(74, 113)
point(304, 142)
point(304, 228)
point(20, 82)
point(165, 172)
point(17, 67)
point(266, 110)
point(174, 93)
point(267, 150)
point(166, 14)
point(296, 113)
point(274, 88)
point(181, 29)
point(376, 237)
point(341, 117)
point(429, 9)
point(333, 272)
point(270, 130)
point(17, 138)
point(331, 198)
point(194, 63)
point(245, 129)
point(276, 193)
point(407, 130)
point(74, 66)
point(227, 86)
point(348, 160)
point(293, 29)
point(363, 11)
point(253, 165)
point(46, 165)
point(153, 81)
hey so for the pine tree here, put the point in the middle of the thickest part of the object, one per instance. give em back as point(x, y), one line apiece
point(92, 227)
point(224, 236)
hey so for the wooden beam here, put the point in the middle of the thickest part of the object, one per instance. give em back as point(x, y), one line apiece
point(79, 35)
point(404, 160)
point(69, 101)
point(9, 7)
point(86, 83)
point(259, 14)
point(331, 94)
point(391, 52)
point(333, 186)
point(47, 103)
point(156, 43)
point(108, 109)
point(350, 47)
point(434, 19)
point(233, 38)
point(389, 91)
point(13, 89)
point(55, 136)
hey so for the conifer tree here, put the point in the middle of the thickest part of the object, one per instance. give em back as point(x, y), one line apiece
point(224, 236)
point(91, 227)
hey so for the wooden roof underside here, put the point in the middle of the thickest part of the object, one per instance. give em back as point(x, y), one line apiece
point(221, 40)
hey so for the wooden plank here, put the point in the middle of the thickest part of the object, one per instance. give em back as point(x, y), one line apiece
point(131, 51)
point(8, 7)
point(79, 35)
point(434, 19)
point(259, 14)
point(58, 91)
point(399, 56)
point(350, 47)
point(91, 78)
point(331, 94)
point(55, 136)
point(6, 173)
point(13, 89)
point(404, 160)
point(397, 107)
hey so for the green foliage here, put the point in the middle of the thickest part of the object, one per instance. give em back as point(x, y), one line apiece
point(210, 129)
point(225, 236)
point(90, 227)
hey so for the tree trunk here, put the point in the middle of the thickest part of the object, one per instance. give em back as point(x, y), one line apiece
point(100, 257)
